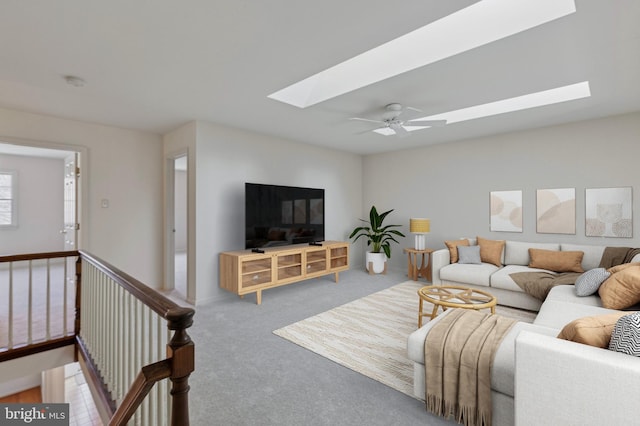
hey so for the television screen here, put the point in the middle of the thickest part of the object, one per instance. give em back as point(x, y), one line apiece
point(279, 215)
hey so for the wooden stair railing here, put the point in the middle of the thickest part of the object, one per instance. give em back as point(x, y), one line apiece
point(179, 352)
point(112, 310)
point(17, 277)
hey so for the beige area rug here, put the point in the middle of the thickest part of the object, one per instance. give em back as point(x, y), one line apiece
point(369, 335)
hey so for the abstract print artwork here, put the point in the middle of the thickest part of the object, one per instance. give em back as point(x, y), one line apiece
point(300, 211)
point(608, 212)
point(556, 211)
point(506, 211)
point(316, 211)
point(287, 212)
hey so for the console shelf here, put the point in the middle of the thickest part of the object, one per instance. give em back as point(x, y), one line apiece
point(243, 272)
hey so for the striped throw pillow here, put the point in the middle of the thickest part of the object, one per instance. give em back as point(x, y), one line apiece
point(626, 335)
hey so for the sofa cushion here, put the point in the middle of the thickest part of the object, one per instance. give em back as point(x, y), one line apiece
point(557, 261)
point(470, 274)
point(503, 369)
point(594, 331)
point(502, 279)
point(469, 254)
point(557, 314)
point(589, 282)
point(622, 289)
point(626, 335)
point(517, 252)
point(567, 293)
point(491, 250)
point(453, 248)
point(592, 254)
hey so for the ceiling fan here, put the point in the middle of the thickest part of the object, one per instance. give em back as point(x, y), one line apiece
point(396, 120)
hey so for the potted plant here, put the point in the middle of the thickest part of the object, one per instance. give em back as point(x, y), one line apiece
point(379, 237)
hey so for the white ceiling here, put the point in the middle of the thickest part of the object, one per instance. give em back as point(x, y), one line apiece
point(155, 65)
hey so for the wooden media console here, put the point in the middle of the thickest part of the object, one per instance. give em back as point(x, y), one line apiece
point(243, 271)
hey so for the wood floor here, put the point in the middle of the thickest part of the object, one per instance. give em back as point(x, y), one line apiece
point(33, 395)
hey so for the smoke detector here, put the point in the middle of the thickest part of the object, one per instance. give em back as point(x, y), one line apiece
point(74, 81)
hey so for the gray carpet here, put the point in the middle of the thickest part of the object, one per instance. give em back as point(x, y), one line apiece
point(246, 375)
point(369, 335)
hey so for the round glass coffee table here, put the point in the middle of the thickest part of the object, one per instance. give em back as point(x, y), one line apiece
point(453, 296)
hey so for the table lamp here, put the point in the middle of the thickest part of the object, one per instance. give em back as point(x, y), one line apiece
point(420, 227)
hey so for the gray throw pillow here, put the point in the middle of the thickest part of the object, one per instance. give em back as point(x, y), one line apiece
point(626, 335)
point(589, 282)
point(469, 254)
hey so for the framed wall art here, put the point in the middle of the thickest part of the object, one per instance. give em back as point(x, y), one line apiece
point(506, 211)
point(608, 212)
point(556, 211)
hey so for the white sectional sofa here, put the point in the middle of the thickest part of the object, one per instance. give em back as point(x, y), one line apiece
point(536, 377)
point(496, 280)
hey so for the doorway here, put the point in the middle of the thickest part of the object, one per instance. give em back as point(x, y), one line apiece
point(177, 249)
point(46, 175)
point(180, 224)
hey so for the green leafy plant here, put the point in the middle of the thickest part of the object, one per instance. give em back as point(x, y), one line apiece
point(379, 237)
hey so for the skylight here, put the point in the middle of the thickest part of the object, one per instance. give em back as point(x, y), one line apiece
point(546, 97)
point(531, 100)
point(479, 24)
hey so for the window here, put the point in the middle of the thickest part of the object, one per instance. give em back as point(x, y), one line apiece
point(8, 185)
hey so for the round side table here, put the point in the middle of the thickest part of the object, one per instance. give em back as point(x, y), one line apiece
point(413, 271)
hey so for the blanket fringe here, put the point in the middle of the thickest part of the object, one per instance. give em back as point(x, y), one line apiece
point(470, 416)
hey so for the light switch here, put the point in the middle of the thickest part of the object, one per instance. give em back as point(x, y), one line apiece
point(105, 203)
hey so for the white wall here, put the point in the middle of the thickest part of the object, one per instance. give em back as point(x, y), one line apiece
point(226, 158)
point(450, 183)
point(125, 167)
point(39, 205)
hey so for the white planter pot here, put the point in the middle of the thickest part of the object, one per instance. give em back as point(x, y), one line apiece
point(376, 262)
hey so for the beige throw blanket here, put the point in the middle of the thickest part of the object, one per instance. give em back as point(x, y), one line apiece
point(538, 284)
point(458, 353)
point(613, 256)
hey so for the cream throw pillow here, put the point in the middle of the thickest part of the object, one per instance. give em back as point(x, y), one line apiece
point(556, 261)
point(491, 250)
point(453, 248)
point(593, 331)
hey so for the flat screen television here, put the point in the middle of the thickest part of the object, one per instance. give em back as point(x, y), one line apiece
point(278, 215)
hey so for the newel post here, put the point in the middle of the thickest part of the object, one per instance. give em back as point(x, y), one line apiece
point(181, 351)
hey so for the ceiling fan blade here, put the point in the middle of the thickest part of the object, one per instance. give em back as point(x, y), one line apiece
point(369, 130)
point(367, 120)
point(400, 131)
point(409, 113)
point(429, 123)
